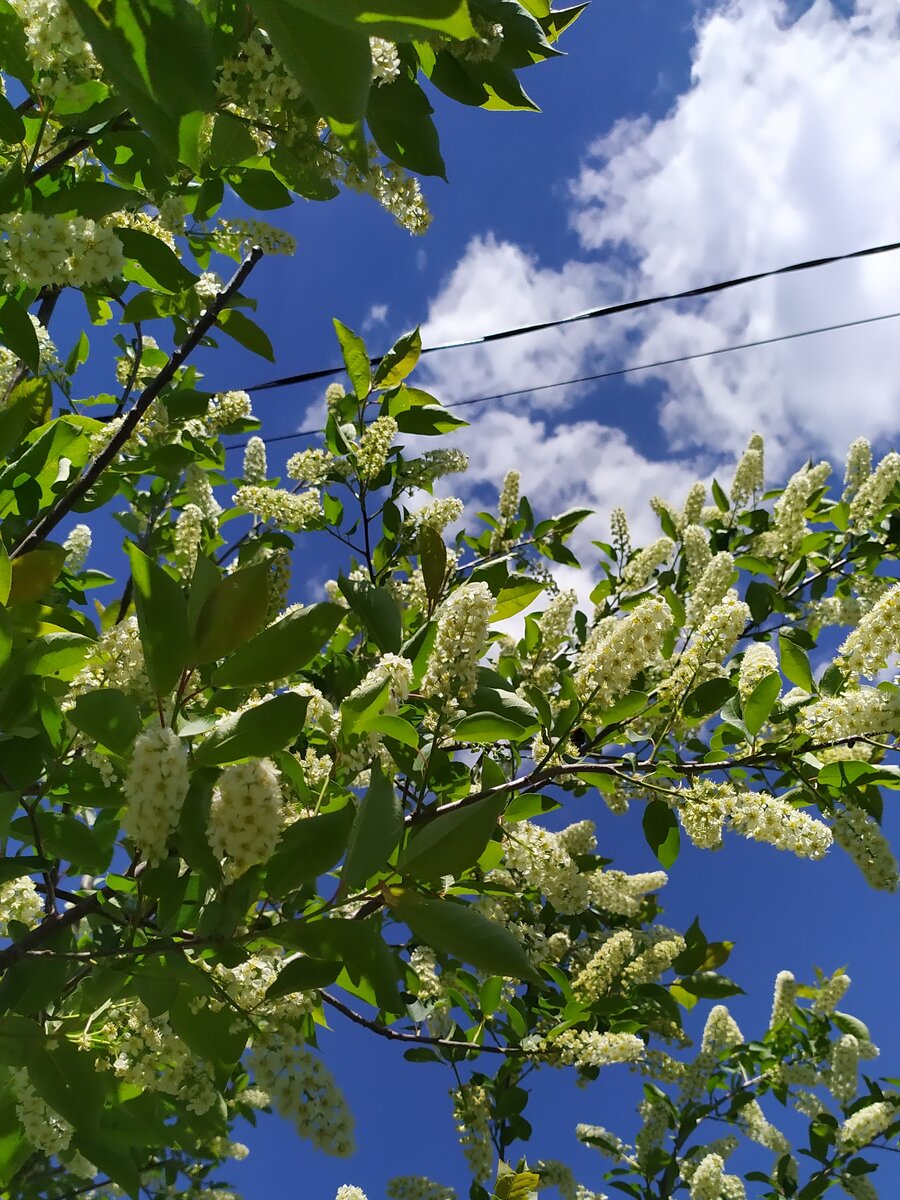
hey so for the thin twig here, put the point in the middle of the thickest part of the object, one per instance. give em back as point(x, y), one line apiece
point(395, 1035)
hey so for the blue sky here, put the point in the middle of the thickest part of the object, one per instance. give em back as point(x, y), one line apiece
point(678, 143)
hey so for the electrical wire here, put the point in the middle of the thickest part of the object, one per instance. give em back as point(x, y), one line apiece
point(619, 371)
point(593, 313)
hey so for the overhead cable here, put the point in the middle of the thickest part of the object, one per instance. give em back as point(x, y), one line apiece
point(618, 371)
point(593, 313)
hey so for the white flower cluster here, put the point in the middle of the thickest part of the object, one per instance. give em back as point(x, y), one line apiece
point(10, 365)
point(434, 464)
point(604, 967)
point(711, 587)
point(874, 641)
point(761, 1130)
point(208, 286)
point(117, 661)
point(385, 61)
point(654, 961)
point(507, 507)
point(155, 787)
point(348, 1192)
point(399, 194)
point(720, 1033)
point(867, 1124)
point(858, 467)
point(610, 1143)
point(704, 807)
point(19, 901)
point(245, 817)
point(199, 491)
point(587, 1048)
point(77, 547)
point(462, 632)
point(471, 1111)
point(311, 466)
point(662, 509)
point(696, 552)
point(789, 527)
point(53, 251)
point(284, 508)
point(759, 661)
point(618, 533)
point(255, 469)
point(417, 1187)
point(554, 625)
point(45, 1129)
point(874, 491)
point(709, 1181)
point(858, 833)
point(393, 669)
point(247, 985)
point(783, 998)
point(238, 236)
point(854, 713)
point(437, 514)
point(653, 1130)
point(618, 650)
point(423, 962)
point(254, 80)
point(303, 1090)
point(55, 44)
point(225, 408)
point(638, 571)
point(749, 474)
point(144, 368)
point(708, 648)
point(187, 536)
point(843, 1067)
point(374, 447)
point(830, 993)
point(693, 505)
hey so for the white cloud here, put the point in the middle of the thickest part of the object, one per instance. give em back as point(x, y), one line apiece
point(377, 315)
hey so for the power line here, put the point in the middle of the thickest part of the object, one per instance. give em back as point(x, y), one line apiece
point(663, 362)
point(592, 313)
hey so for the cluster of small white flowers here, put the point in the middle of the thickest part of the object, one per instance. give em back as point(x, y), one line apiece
point(854, 713)
point(604, 967)
point(385, 61)
point(284, 508)
point(790, 526)
point(708, 648)
point(720, 1033)
point(186, 539)
point(117, 661)
point(417, 1187)
point(423, 961)
point(662, 508)
point(483, 48)
point(208, 286)
point(749, 474)
point(396, 671)
point(618, 533)
point(761, 1130)
point(724, 1147)
point(870, 499)
point(639, 570)
point(586, 1048)
point(348, 1192)
point(693, 505)
point(471, 1111)
point(611, 1144)
point(548, 866)
point(225, 408)
point(704, 807)
point(654, 961)
point(507, 507)
point(144, 371)
point(374, 447)
point(696, 551)
point(437, 514)
point(555, 1174)
point(807, 1103)
point(830, 993)
point(53, 251)
point(843, 608)
point(254, 80)
point(303, 1090)
point(280, 573)
point(245, 817)
point(844, 1064)
point(867, 1124)
point(434, 464)
point(783, 999)
point(247, 985)
point(711, 587)
point(56, 46)
point(154, 788)
point(554, 625)
point(858, 833)
point(316, 768)
point(149, 1054)
point(19, 901)
point(462, 631)
point(45, 1129)
point(255, 469)
point(620, 893)
point(619, 650)
point(144, 222)
point(874, 641)
point(858, 467)
point(860, 1187)
point(758, 662)
point(199, 491)
point(311, 466)
point(77, 547)
point(709, 1182)
point(237, 235)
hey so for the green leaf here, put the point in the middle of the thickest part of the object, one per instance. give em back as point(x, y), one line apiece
point(460, 930)
point(433, 561)
point(709, 986)
point(163, 265)
point(399, 360)
point(57, 654)
point(517, 593)
point(14, 57)
point(402, 20)
point(708, 698)
point(760, 702)
point(17, 332)
point(486, 728)
point(357, 944)
point(246, 333)
point(87, 849)
point(26, 864)
point(108, 716)
point(661, 831)
point(308, 848)
point(399, 117)
point(283, 648)
point(233, 613)
point(624, 709)
point(795, 664)
point(377, 609)
point(162, 620)
point(256, 732)
point(303, 975)
point(452, 842)
point(260, 188)
point(231, 141)
point(12, 127)
point(428, 420)
point(505, 705)
point(356, 359)
point(376, 831)
point(333, 65)
point(358, 711)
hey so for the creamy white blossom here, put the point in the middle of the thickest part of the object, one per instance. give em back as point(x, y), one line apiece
point(245, 817)
point(155, 787)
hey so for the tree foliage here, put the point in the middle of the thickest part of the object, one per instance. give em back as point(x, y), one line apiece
point(226, 816)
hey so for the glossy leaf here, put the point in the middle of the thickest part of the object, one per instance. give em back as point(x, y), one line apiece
point(255, 732)
point(449, 844)
point(376, 831)
point(356, 358)
point(163, 620)
point(233, 613)
point(662, 832)
point(283, 648)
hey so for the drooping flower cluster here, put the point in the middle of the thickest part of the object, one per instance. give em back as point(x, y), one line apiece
point(224, 409)
point(187, 537)
point(303, 1090)
point(708, 648)
point(399, 194)
point(374, 447)
point(866, 1124)
point(255, 469)
point(245, 817)
point(874, 491)
point(385, 61)
point(858, 833)
point(19, 901)
point(438, 514)
point(554, 625)
point(749, 474)
point(758, 662)
point(155, 787)
point(711, 587)
point(117, 661)
point(789, 527)
point(311, 466)
point(199, 491)
point(459, 643)
point(56, 47)
point(704, 807)
point(639, 570)
point(843, 1067)
point(619, 650)
point(77, 547)
point(54, 251)
point(471, 1111)
point(433, 464)
point(45, 1129)
point(854, 713)
point(284, 508)
point(588, 1048)
point(876, 638)
point(604, 967)
point(238, 235)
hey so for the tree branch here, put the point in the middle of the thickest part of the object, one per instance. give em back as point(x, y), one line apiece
point(89, 477)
